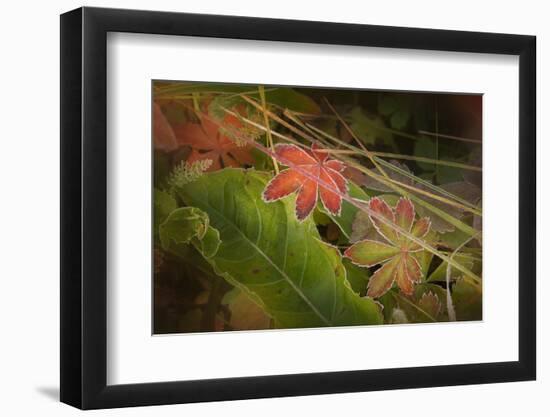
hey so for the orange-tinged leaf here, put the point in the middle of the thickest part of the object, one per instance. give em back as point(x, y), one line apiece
point(335, 165)
point(307, 199)
point(208, 142)
point(332, 202)
point(295, 155)
point(339, 180)
point(370, 252)
point(382, 280)
point(414, 271)
point(398, 255)
point(382, 208)
point(403, 280)
point(421, 227)
point(198, 136)
point(280, 186)
point(311, 175)
point(319, 154)
point(404, 214)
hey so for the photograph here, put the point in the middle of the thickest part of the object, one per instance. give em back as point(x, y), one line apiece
point(286, 207)
point(271, 209)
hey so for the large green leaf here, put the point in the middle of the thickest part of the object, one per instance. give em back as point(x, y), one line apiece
point(279, 262)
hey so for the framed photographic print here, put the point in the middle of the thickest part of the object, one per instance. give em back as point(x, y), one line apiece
point(258, 208)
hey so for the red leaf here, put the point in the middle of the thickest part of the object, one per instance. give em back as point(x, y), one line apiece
point(420, 229)
point(295, 155)
point(404, 214)
point(310, 172)
point(207, 142)
point(282, 185)
point(403, 280)
point(331, 201)
point(306, 200)
point(414, 271)
point(382, 208)
point(382, 280)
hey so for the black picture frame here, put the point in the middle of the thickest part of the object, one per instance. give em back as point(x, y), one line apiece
point(84, 207)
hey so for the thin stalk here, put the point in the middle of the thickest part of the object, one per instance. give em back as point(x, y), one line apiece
point(268, 128)
point(263, 128)
point(251, 93)
point(394, 131)
point(310, 131)
point(407, 157)
point(382, 128)
point(430, 195)
point(196, 105)
point(436, 137)
point(278, 119)
point(425, 132)
point(354, 136)
point(429, 185)
point(427, 160)
point(175, 91)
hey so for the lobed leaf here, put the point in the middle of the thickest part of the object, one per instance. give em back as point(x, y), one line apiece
point(370, 252)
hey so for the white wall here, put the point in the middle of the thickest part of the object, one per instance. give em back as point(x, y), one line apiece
point(29, 109)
